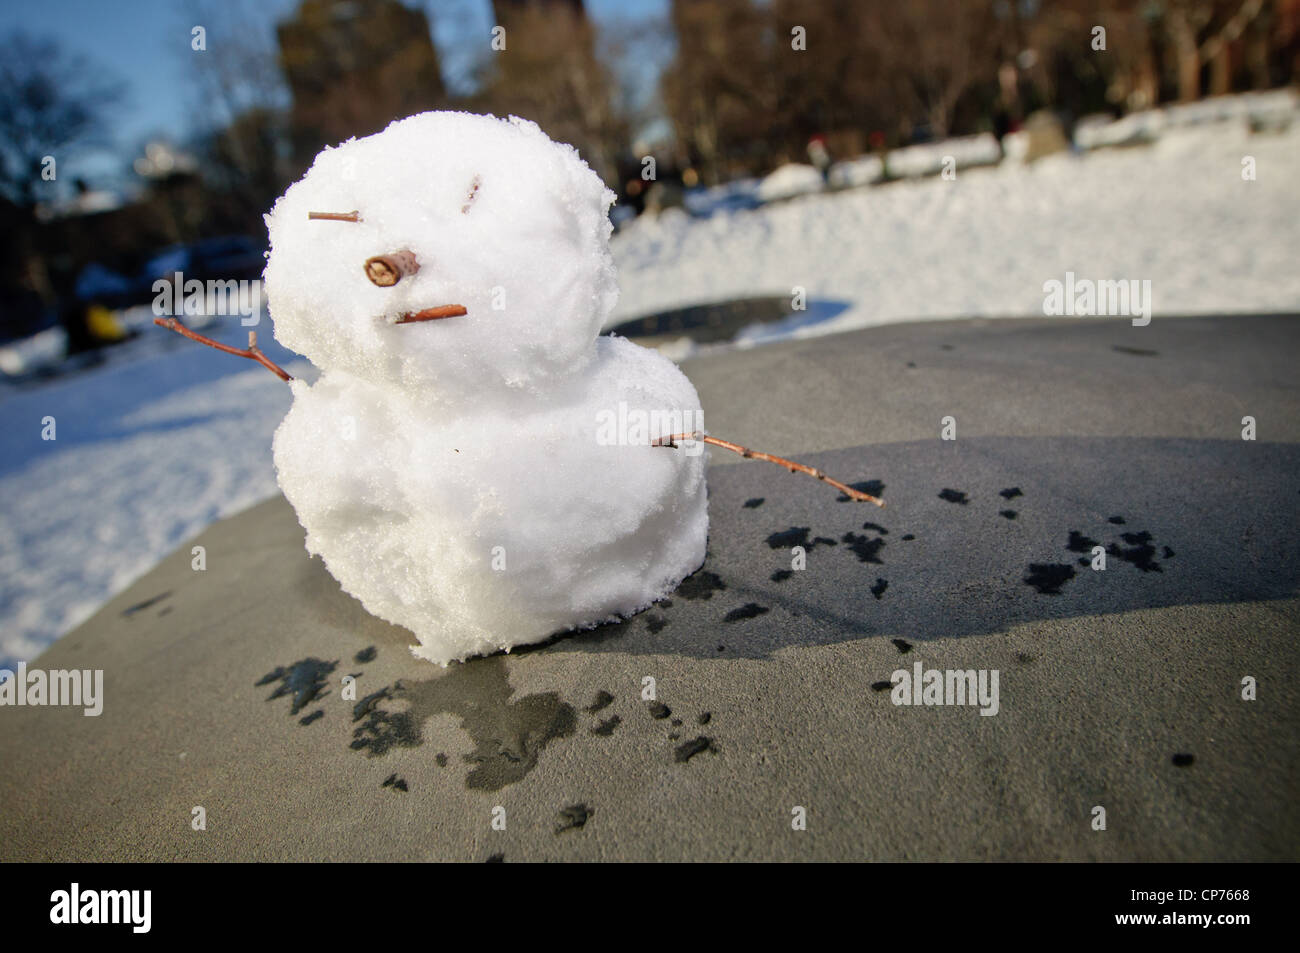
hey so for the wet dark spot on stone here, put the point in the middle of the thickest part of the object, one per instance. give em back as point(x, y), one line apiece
point(953, 496)
point(1078, 543)
point(755, 503)
point(677, 722)
point(689, 749)
point(1010, 493)
point(441, 758)
point(911, 363)
point(368, 654)
point(749, 610)
point(878, 590)
point(701, 585)
point(881, 686)
point(496, 859)
point(141, 606)
point(877, 527)
point(1184, 760)
point(1117, 520)
point(781, 575)
point(1009, 514)
point(1024, 658)
point(908, 538)
point(866, 548)
point(1048, 578)
point(797, 536)
point(655, 623)
point(705, 717)
point(603, 699)
point(902, 645)
point(659, 710)
point(308, 719)
point(305, 680)
point(722, 648)
point(509, 734)
point(946, 347)
point(573, 818)
point(1085, 561)
point(871, 487)
point(1136, 351)
point(1169, 553)
point(367, 704)
point(606, 727)
point(1139, 551)
point(394, 782)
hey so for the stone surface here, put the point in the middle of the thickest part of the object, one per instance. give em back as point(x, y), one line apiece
point(224, 687)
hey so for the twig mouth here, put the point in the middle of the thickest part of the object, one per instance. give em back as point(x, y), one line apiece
point(433, 314)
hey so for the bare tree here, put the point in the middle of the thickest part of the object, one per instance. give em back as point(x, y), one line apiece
point(50, 102)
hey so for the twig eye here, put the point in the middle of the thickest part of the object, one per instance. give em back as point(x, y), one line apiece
point(473, 193)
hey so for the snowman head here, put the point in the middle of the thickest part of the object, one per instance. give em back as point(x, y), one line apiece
point(439, 210)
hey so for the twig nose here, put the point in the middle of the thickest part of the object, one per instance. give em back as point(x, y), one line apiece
point(387, 270)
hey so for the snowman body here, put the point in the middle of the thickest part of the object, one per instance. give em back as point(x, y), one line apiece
point(473, 478)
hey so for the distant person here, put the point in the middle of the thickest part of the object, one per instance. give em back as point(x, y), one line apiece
point(820, 156)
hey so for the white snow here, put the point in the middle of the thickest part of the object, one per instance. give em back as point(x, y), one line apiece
point(789, 181)
point(1177, 213)
point(154, 446)
point(930, 158)
point(852, 173)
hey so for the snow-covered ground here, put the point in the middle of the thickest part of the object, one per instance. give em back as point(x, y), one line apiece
point(1177, 212)
point(167, 437)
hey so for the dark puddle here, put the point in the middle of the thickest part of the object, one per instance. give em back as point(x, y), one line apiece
point(797, 536)
point(749, 610)
point(689, 749)
point(573, 818)
point(606, 727)
point(719, 321)
point(1136, 351)
point(508, 733)
point(864, 547)
point(953, 496)
point(305, 680)
point(1048, 578)
point(141, 606)
point(700, 585)
point(603, 699)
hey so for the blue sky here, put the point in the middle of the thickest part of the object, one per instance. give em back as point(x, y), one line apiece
point(146, 44)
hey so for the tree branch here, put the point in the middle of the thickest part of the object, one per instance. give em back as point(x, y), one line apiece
point(252, 352)
point(852, 494)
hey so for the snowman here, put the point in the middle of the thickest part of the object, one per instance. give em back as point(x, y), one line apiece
point(452, 464)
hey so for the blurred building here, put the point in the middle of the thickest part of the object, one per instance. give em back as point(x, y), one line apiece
point(352, 67)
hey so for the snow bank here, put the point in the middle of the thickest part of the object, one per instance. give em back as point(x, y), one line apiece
point(929, 158)
point(790, 181)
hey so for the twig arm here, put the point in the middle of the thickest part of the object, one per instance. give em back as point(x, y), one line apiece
point(852, 494)
point(252, 352)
